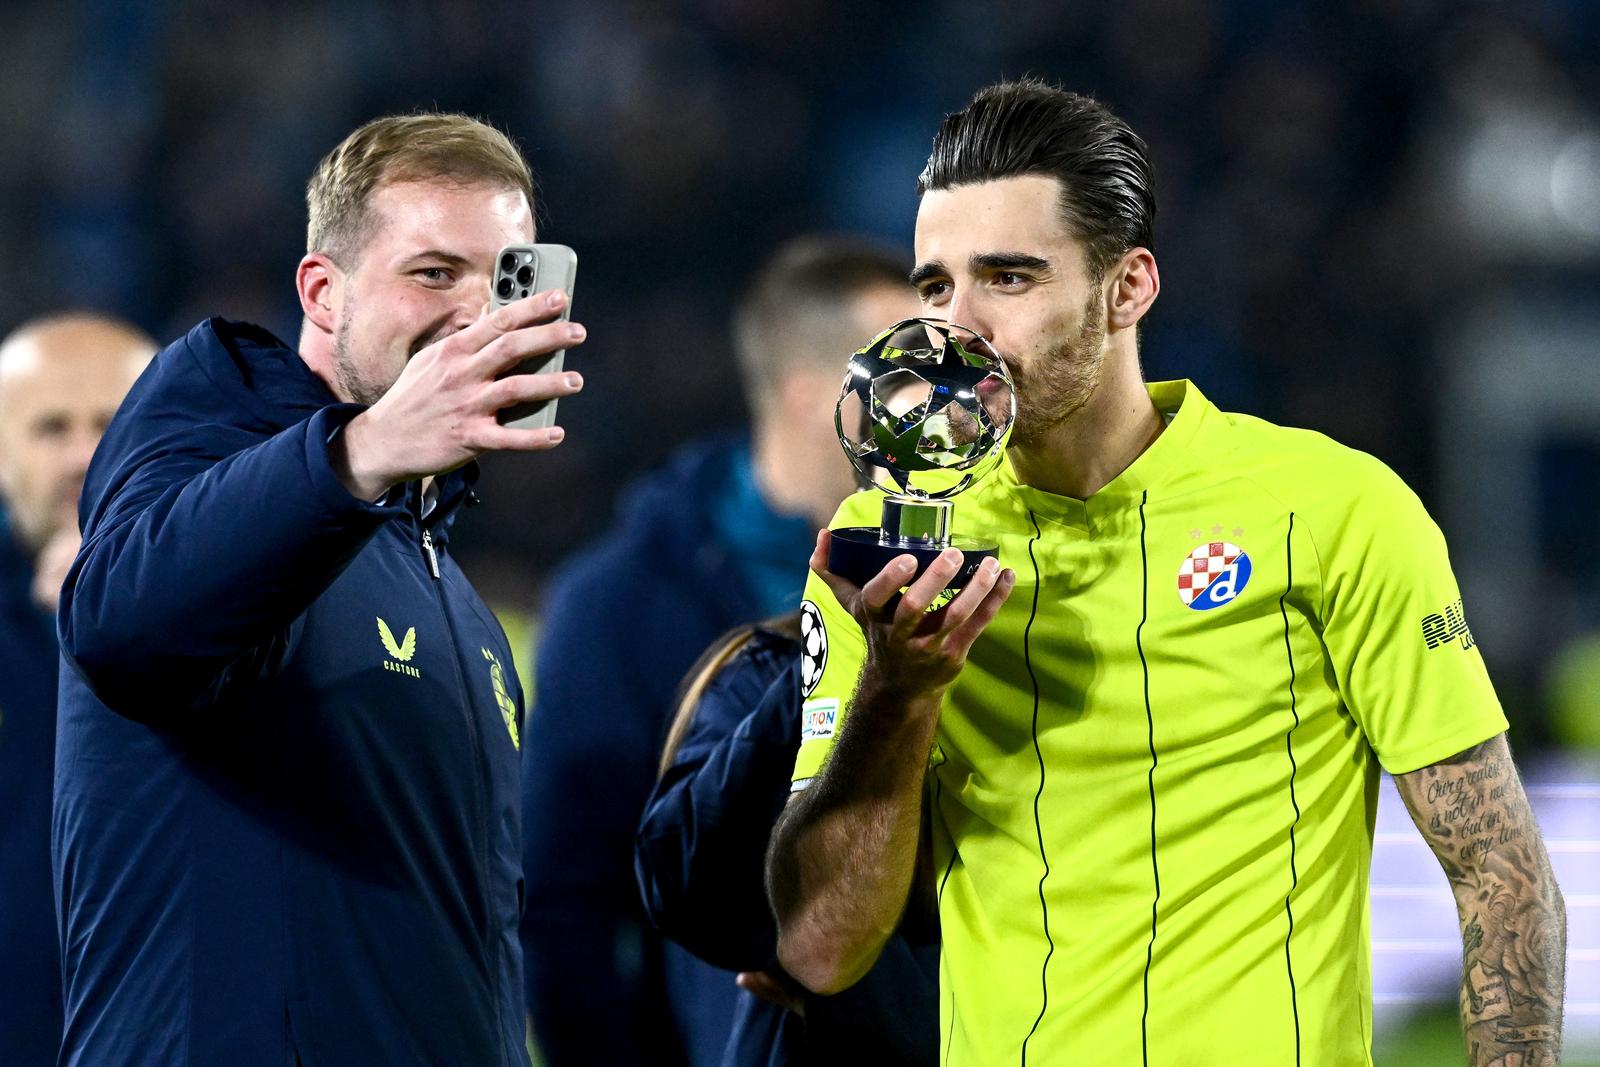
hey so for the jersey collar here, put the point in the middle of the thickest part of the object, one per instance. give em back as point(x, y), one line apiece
point(1189, 410)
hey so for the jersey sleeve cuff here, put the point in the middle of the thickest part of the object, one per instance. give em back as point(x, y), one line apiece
point(1415, 757)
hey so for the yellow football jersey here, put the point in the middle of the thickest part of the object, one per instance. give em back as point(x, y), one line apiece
point(1154, 782)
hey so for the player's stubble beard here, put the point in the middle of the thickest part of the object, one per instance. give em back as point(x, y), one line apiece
point(1062, 378)
point(353, 381)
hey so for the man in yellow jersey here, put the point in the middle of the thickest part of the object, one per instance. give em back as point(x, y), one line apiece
point(1150, 744)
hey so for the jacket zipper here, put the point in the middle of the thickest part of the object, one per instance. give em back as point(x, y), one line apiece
point(429, 556)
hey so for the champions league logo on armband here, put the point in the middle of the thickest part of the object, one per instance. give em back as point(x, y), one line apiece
point(1213, 575)
point(813, 648)
point(818, 717)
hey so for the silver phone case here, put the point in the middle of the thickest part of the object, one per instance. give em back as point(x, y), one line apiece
point(520, 271)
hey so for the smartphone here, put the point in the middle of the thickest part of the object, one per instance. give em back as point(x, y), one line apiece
point(519, 272)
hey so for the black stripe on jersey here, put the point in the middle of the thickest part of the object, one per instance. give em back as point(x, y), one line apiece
point(955, 854)
point(938, 791)
point(1155, 869)
point(1294, 877)
point(1044, 969)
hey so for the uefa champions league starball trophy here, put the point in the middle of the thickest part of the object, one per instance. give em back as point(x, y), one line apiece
point(929, 404)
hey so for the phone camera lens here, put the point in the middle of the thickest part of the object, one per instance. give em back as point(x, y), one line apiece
point(504, 288)
point(524, 275)
point(508, 263)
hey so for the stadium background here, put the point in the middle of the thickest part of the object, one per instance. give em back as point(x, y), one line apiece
point(1379, 219)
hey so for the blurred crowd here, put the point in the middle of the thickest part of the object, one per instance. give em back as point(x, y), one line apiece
point(1340, 184)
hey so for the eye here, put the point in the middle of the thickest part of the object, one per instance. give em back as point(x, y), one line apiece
point(435, 277)
point(1010, 279)
point(933, 292)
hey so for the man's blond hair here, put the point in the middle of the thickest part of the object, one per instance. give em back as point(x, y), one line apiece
point(402, 148)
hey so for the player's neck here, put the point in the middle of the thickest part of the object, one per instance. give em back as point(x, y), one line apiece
point(1080, 455)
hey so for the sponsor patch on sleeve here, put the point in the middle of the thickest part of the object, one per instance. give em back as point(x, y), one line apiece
point(818, 718)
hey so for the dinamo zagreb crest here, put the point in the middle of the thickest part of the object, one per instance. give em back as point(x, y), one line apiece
point(1212, 575)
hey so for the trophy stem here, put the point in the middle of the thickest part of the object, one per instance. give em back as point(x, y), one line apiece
point(920, 528)
point(908, 521)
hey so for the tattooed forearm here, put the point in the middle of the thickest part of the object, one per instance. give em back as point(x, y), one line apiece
point(1475, 815)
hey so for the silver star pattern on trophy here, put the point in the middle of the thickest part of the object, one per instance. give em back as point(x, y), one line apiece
point(929, 403)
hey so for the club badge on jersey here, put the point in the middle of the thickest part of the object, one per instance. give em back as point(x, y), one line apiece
point(1213, 575)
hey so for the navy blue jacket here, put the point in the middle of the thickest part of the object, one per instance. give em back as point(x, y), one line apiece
point(700, 861)
point(622, 622)
point(30, 956)
point(286, 823)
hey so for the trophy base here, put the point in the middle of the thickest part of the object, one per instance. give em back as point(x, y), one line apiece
point(858, 553)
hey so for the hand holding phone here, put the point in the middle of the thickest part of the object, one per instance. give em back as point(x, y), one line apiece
point(520, 271)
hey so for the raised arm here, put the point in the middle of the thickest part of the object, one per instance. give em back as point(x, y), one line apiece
point(200, 555)
point(204, 538)
point(844, 852)
point(1473, 812)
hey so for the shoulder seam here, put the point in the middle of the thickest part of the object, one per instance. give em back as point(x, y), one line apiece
point(1316, 552)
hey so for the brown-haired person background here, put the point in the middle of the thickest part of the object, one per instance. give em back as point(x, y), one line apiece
point(61, 379)
point(286, 825)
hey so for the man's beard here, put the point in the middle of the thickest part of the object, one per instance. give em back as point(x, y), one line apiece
point(351, 381)
point(1062, 378)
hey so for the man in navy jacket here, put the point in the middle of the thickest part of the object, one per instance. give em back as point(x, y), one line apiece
point(61, 379)
point(286, 826)
point(717, 537)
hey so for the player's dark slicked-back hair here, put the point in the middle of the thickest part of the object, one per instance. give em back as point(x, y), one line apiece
point(1029, 127)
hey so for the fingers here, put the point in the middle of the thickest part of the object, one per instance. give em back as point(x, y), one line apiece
point(843, 589)
point(493, 437)
point(966, 602)
point(965, 633)
point(921, 593)
point(508, 335)
point(538, 308)
point(504, 352)
point(819, 554)
point(522, 388)
point(887, 583)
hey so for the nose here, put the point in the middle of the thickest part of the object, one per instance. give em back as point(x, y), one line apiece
point(967, 309)
point(473, 295)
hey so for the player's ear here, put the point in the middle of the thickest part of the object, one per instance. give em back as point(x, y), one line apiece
point(1132, 284)
point(317, 281)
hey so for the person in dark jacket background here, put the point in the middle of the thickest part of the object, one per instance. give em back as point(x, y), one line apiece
point(286, 826)
point(700, 859)
point(717, 537)
point(61, 379)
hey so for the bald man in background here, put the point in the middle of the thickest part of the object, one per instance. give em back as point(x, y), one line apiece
point(61, 380)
